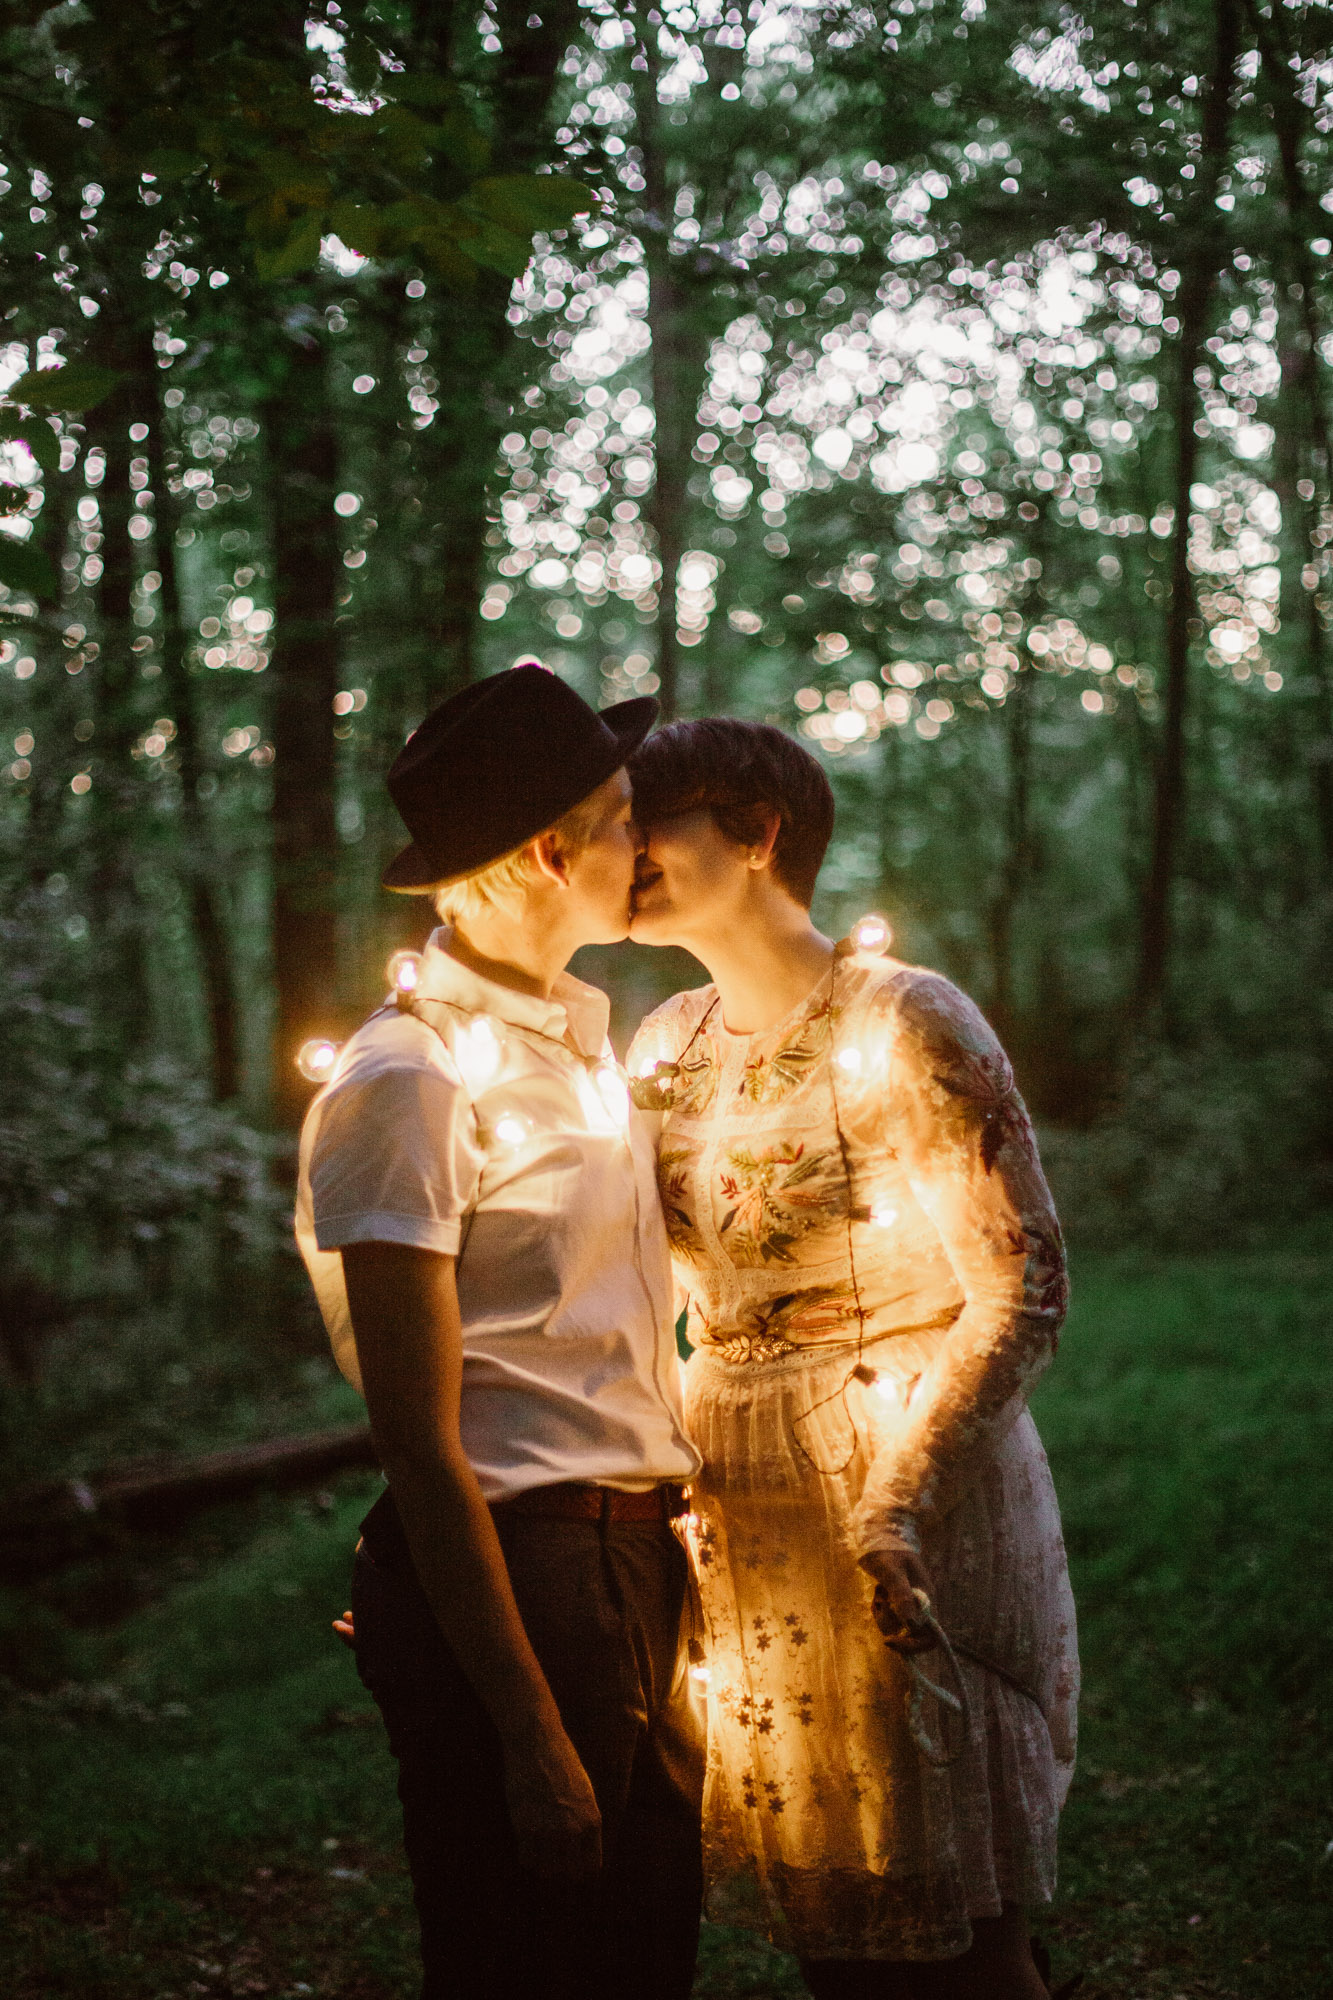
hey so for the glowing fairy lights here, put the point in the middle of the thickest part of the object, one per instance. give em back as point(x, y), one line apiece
point(872, 934)
point(884, 1388)
point(480, 1047)
point(316, 1058)
point(612, 1091)
point(479, 1052)
point(404, 973)
point(511, 1130)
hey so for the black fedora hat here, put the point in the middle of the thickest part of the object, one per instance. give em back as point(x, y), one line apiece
point(497, 764)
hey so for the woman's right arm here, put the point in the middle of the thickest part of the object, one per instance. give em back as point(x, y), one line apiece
point(409, 1343)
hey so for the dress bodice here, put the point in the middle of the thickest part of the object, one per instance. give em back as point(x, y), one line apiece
point(864, 1172)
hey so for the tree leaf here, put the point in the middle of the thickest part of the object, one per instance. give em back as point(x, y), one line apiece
point(25, 568)
point(359, 225)
point(40, 439)
point(420, 89)
point(299, 251)
point(459, 139)
point(524, 203)
point(171, 164)
point(498, 250)
point(362, 60)
point(76, 386)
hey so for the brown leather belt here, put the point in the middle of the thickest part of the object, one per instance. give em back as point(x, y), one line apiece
point(573, 1501)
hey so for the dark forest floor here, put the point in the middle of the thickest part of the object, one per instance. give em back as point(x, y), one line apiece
point(198, 1800)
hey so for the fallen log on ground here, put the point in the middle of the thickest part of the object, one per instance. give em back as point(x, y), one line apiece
point(54, 1524)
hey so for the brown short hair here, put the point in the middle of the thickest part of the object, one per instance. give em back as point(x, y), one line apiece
point(740, 771)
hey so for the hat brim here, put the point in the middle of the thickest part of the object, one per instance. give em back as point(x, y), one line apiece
point(411, 873)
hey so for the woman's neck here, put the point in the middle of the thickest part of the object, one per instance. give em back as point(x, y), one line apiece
point(765, 965)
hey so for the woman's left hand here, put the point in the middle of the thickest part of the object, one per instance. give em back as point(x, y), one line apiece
point(899, 1573)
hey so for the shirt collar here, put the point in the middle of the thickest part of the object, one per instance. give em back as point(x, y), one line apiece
point(575, 1012)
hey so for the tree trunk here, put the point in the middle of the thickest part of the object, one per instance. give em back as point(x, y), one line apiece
point(1016, 724)
point(676, 366)
point(117, 792)
point(197, 861)
point(478, 363)
point(1304, 418)
point(1203, 247)
point(303, 459)
point(49, 790)
point(474, 354)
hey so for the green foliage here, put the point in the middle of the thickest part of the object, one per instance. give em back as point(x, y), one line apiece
point(129, 1155)
point(1187, 1419)
point(859, 402)
point(1204, 1148)
point(75, 387)
point(26, 569)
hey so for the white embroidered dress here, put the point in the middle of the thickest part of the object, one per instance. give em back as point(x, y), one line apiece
point(923, 1239)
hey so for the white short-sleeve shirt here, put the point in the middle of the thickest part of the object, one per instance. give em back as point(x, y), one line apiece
point(494, 1128)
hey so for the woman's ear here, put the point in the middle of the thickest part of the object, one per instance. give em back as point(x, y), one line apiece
point(761, 850)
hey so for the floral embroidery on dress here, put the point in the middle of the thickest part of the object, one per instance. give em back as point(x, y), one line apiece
point(1049, 1273)
point(817, 1313)
point(696, 1081)
point(767, 1079)
point(767, 1213)
point(673, 1179)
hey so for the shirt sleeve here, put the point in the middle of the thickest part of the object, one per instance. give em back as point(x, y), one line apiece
point(395, 1160)
point(963, 1135)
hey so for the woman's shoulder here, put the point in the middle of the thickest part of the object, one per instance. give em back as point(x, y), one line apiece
point(668, 1027)
point(936, 1023)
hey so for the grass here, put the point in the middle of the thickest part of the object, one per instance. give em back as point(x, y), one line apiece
point(199, 1801)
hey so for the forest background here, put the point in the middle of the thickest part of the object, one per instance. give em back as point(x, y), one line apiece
point(947, 383)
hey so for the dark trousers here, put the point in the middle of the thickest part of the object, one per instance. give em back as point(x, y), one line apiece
point(601, 1603)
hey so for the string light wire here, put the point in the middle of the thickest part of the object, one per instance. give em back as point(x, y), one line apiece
point(858, 1372)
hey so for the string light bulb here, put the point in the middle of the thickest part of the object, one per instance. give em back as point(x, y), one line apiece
point(872, 934)
point(883, 1387)
point(613, 1093)
point(849, 1060)
point(404, 973)
point(883, 1214)
point(479, 1052)
point(315, 1059)
point(511, 1128)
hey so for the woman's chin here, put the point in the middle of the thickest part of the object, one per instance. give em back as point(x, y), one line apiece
point(650, 927)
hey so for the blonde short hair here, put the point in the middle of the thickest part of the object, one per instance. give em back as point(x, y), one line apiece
point(501, 884)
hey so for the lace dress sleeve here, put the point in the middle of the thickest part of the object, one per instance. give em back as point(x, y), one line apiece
point(963, 1136)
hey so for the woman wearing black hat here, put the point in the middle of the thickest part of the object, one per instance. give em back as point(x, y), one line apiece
point(477, 1210)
